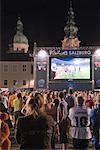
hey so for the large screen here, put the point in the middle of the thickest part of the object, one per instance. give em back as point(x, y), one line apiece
point(70, 68)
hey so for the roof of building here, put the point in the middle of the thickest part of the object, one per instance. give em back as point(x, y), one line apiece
point(15, 57)
point(20, 38)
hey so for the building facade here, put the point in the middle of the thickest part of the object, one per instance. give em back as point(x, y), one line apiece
point(16, 66)
point(16, 74)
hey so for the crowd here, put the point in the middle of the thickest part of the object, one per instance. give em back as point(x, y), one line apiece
point(41, 119)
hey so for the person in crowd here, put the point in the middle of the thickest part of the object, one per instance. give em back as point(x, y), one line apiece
point(17, 104)
point(80, 125)
point(89, 101)
point(4, 98)
point(35, 130)
point(70, 99)
point(87, 105)
point(3, 109)
point(63, 121)
point(95, 117)
point(49, 104)
point(10, 101)
point(12, 97)
point(54, 112)
point(5, 143)
point(65, 93)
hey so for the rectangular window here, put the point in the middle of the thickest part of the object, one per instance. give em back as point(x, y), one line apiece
point(14, 68)
point(5, 68)
point(5, 82)
point(24, 68)
point(24, 82)
point(31, 69)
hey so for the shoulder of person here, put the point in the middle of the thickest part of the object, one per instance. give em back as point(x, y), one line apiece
point(69, 97)
point(48, 118)
point(14, 100)
point(61, 105)
point(73, 109)
point(22, 118)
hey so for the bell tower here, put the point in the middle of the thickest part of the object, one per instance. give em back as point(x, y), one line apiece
point(70, 40)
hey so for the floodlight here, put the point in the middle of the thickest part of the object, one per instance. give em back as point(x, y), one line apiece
point(97, 52)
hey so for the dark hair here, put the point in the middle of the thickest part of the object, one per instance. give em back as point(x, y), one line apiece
point(19, 95)
point(61, 94)
point(56, 101)
point(80, 100)
point(70, 91)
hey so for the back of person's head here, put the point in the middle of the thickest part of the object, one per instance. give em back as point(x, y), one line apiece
point(19, 95)
point(56, 93)
point(65, 93)
point(49, 99)
point(56, 102)
point(80, 100)
point(70, 91)
point(37, 94)
point(36, 103)
point(61, 95)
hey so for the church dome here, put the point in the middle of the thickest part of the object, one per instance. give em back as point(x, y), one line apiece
point(20, 41)
point(20, 38)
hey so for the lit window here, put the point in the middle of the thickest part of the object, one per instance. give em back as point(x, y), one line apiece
point(5, 82)
point(24, 68)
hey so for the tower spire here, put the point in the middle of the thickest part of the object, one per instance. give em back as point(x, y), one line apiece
point(70, 28)
point(19, 25)
point(70, 39)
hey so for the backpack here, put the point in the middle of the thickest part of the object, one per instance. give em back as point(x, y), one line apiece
point(70, 102)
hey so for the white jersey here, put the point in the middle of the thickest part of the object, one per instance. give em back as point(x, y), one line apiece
point(80, 121)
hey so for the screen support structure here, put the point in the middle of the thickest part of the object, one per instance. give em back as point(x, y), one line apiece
point(41, 68)
point(48, 72)
point(92, 72)
point(56, 51)
point(34, 68)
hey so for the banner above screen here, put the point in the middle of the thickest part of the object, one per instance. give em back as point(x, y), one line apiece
point(72, 52)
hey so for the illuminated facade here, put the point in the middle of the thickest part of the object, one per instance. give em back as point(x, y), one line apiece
point(16, 66)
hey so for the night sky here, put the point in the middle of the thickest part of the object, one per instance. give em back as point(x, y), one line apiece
point(44, 21)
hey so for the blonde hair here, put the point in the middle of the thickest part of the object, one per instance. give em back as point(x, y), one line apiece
point(37, 104)
point(98, 99)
